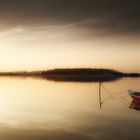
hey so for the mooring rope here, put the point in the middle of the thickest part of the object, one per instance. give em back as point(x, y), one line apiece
point(112, 92)
point(113, 95)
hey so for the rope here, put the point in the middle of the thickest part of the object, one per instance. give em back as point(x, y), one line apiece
point(121, 100)
point(112, 97)
point(109, 91)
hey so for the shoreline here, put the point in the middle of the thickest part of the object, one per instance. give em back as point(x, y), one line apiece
point(76, 74)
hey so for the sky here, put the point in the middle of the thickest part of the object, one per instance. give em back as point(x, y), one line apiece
point(46, 34)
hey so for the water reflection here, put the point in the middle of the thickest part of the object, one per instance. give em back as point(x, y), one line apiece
point(135, 105)
point(33, 109)
point(80, 78)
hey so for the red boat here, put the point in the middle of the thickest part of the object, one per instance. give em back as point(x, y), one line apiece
point(135, 95)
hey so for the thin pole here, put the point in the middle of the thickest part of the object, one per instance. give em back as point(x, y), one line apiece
point(100, 102)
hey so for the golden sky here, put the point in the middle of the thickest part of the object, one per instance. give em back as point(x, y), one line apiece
point(49, 34)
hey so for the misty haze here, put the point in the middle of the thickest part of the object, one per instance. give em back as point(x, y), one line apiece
point(69, 69)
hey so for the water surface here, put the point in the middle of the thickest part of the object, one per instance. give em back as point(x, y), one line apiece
point(35, 109)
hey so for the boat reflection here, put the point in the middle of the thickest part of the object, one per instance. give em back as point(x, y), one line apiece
point(135, 105)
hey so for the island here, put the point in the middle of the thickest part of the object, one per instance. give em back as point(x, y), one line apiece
point(74, 74)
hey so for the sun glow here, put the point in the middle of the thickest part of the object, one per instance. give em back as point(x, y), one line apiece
point(57, 47)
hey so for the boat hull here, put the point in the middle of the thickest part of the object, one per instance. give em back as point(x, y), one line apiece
point(136, 98)
point(135, 95)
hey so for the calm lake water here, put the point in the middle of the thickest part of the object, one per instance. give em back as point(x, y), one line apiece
point(35, 109)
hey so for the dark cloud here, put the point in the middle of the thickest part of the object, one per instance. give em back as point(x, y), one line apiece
point(115, 16)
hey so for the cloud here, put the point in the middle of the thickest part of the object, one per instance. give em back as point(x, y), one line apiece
point(108, 16)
